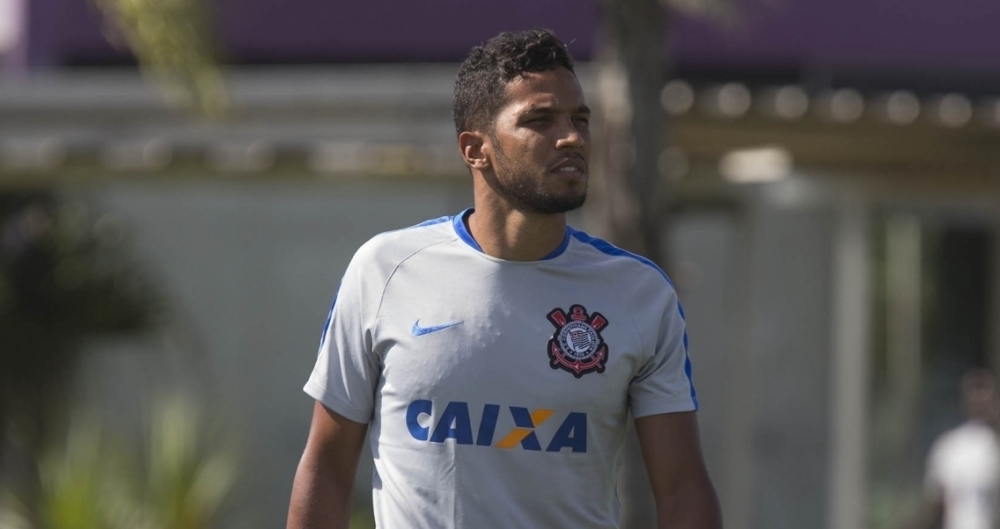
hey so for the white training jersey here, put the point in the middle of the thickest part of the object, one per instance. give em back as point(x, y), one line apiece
point(497, 391)
point(963, 469)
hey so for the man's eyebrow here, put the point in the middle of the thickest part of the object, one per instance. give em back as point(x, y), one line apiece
point(535, 109)
point(547, 109)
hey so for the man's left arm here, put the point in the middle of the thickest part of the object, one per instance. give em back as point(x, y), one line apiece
point(685, 498)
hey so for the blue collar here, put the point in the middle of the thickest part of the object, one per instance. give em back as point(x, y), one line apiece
point(458, 221)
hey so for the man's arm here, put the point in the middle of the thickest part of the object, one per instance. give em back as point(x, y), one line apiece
point(685, 498)
point(324, 482)
point(928, 515)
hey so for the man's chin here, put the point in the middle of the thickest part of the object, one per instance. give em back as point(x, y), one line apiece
point(562, 205)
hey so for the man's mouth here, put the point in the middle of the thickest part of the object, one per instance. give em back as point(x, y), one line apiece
point(570, 167)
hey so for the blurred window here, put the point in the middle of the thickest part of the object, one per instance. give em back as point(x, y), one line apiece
point(934, 293)
point(10, 24)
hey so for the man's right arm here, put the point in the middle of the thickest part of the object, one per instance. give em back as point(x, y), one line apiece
point(929, 515)
point(931, 510)
point(324, 482)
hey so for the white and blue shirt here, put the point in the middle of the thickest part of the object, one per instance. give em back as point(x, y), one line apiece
point(963, 470)
point(497, 391)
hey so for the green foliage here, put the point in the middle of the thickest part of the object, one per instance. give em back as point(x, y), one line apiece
point(362, 517)
point(65, 275)
point(75, 483)
point(171, 39)
point(724, 12)
point(64, 270)
point(186, 484)
point(92, 482)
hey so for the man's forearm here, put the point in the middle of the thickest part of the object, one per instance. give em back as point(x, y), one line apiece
point(319, 500)
point(324, 482)
point(685, 498)
point(694, 507)
point(929, 515)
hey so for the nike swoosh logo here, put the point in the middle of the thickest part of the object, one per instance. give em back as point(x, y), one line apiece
point(420, 331)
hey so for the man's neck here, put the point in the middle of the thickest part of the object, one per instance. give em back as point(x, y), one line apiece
point(516, 236)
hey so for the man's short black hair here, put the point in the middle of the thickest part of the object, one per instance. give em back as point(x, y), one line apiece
point(481, 83)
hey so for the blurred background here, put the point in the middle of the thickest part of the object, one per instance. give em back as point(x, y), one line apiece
point(182, 183)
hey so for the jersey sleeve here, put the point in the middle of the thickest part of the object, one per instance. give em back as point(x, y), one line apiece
point(662, 384)
point(346, 373)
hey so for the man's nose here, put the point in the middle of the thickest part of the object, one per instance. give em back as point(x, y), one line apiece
point(570, 138)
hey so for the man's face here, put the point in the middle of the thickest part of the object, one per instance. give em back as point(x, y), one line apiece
point(541, 143)
point(980, 400)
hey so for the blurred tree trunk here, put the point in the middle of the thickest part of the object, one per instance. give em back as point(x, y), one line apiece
point(630, 197)
point(628, 204)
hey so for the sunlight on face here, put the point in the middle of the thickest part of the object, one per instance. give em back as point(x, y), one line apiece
point(541, 143)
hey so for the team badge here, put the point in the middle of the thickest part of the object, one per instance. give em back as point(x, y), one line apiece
point(577, 345)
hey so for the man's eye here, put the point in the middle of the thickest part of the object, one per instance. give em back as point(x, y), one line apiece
point(582, 121)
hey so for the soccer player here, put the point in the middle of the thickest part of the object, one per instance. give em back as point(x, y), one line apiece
point(962, 482)
point(491, 358)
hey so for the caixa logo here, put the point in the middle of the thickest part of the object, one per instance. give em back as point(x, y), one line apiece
point(456, 423)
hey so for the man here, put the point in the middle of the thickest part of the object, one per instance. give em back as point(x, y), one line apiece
point(963, 469)
point(492, 357)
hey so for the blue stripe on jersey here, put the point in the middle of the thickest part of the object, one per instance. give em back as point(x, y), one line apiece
point(432, 222)
point(463, 233)
point(329, 318)
point(610, 249)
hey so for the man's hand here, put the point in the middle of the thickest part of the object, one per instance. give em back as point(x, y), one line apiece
point(682, 489)
point(324, 482)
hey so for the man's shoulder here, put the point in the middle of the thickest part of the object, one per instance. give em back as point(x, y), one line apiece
point(960, 440)
point(392, 247)
point(603, 254)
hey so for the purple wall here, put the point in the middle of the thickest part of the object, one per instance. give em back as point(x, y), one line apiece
point(789, 33)
point(804, 32)
point(392, 30)
point(59, 30)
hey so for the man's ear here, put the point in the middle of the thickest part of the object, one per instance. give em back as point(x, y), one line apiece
point(475, 149)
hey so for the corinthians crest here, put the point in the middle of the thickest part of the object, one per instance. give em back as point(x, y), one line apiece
point(577, 345)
